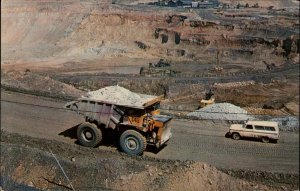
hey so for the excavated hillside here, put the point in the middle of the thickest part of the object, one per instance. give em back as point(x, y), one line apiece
point(34, 31)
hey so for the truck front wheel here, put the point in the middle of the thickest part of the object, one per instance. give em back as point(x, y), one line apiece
point(132, 142)
point(89, 135)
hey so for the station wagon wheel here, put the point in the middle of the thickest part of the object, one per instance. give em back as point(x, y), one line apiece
point(265, 140)
point(89, 135)
point(236, 136)
point(132, 142)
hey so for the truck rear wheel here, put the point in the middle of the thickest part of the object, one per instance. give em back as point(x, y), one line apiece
point(89, 135)
point(132, 142)
point(265, 139)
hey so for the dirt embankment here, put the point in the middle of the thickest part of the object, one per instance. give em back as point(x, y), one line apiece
point(29, 161)
point(37, 84)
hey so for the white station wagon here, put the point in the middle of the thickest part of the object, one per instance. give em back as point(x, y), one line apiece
point(263, 130)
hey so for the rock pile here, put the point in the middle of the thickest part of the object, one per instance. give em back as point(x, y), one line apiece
point(120, 96)
point(222, 111)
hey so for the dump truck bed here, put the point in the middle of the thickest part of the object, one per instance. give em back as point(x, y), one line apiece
point(121, 96)
point(134, 117)
point(104, 112)
point(145, 104)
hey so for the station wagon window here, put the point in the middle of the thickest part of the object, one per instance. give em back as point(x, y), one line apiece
point(249, 127)
point(259, 127)
point(270, 128)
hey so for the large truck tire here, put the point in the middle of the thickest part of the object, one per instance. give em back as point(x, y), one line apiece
point(89, 135)
point(133, 142)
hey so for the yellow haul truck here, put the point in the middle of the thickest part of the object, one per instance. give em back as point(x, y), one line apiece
point(136, 126)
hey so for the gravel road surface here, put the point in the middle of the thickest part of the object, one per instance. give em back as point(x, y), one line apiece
point(201, 140)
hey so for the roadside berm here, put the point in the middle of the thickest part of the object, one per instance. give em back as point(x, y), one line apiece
point(32, 164)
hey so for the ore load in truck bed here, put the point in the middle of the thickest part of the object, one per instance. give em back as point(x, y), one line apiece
point(122, 96)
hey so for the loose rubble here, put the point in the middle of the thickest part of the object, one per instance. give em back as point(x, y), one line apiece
point(222, 111)
point(120, 95)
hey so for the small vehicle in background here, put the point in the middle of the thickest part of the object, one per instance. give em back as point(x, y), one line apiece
point(266, 131)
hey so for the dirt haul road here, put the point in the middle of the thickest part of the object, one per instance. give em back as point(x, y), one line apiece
point(192, 140)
